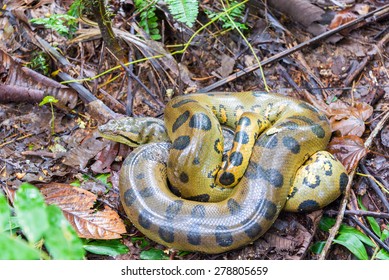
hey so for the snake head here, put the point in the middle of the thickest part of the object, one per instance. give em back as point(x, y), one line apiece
point(134, 131)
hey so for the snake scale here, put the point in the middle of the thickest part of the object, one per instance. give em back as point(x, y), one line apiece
point(180, 189)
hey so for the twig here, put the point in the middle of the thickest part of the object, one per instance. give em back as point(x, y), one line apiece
point(280, 55)
point(360, 213)
point(342, 208)
point(373, 184)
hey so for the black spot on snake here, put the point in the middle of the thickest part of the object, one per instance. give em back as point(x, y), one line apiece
point(166, 233)
point(198, 212)
point(291, 144)
point(312, 184)
point(184, 177)
point(252, 228)
point(146, 192)
point(273, 176)
point(200, 121)
point(140, 176)
point(241, 137)
point(180, 120)
point(217, 146)
point(227, 178)
point(328, 171)
point(270, 209)
point(196, 161)
point(289, 125)
point(173, 209)
point(236, 158)
point(318, 131)
point(201, 197)
point(129, 197)
point(182, 102)
point(267, 141)
point(315, 128)
point(245, 121)
point(308, 205)
point(175, 190)
point(223, 236)
point(307, 106)
point(233, 207)
point(144, 219)
point(343, 180)
point(194, 237)
point(181, 142)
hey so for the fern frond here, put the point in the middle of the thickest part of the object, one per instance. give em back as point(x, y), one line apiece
point(185, 11)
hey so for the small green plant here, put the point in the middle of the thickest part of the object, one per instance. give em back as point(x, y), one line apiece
point(64, 24)
point(235, 15)
point(351, 238)
point(148, 19)
point(76, 8)
point(50, 99)
point(184, 11)
point(44, 227)
point(39, 63)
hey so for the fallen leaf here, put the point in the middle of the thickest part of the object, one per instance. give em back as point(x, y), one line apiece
point(347, 119)
point(341, 18)
point(348, 150)
point(77, 206)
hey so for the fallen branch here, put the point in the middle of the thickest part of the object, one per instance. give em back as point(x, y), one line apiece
point(369, 17)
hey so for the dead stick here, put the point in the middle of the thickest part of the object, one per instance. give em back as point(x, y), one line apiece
point(280, 55)
point(360, 213)
point(342, 208)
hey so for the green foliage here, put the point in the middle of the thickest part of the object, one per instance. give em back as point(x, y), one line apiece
point(184, 11)
point(40, 224)
point(351, 238)
point(76, 8)
point(64, 24)
point(153, 254)
point(105, 247)
point(148, 18)
point(50, 100)
point(235, 14)
point(39, 63)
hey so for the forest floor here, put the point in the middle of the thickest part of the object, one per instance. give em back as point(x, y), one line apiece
point(344, 75)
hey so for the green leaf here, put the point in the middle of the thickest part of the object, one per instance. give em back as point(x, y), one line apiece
point(5, 213)
point(12, 248)
point(153, 254)
point(48, 99)
point(317, 247)
point(326, 223)
point(353, 244)
point(61, 239)
point(350, 230)
point(373, 223)
point(185, 11)
point(382, 255)
point(30, 208)
point(385, 234)
point(106, 247)
point(13, 225)
point(143, 242)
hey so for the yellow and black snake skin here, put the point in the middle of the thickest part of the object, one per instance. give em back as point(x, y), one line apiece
point(179, 189)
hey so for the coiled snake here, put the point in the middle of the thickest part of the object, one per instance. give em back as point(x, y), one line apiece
point(178, 188)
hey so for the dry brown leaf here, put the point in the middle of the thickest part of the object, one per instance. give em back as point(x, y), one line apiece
point(341, 18)
point(348, 149)
point(347, 119)
point(77, 206)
